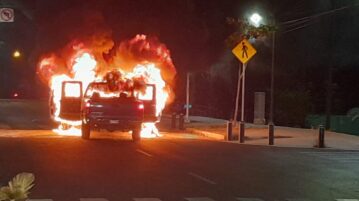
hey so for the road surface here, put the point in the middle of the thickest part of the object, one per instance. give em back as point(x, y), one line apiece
point(175, 167)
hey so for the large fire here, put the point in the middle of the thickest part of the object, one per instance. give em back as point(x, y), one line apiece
point(139, 58)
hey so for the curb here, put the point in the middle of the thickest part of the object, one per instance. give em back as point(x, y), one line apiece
point(215, 136)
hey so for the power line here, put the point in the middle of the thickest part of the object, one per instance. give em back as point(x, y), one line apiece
point(318, 15)
point(308, 19)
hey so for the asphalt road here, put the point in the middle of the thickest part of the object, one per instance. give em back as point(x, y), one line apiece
point(174, 167)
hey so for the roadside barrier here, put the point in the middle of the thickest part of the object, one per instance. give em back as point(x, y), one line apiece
point(271, 134)
point(180, 118)
point(241, 132)
point(229, 136)
point(321, 137)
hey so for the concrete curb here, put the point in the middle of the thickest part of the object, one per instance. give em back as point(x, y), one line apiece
point(215, 136)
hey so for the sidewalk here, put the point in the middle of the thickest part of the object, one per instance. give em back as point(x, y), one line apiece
point(284, 136)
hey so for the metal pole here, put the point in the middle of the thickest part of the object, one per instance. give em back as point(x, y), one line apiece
point(237, 96)
point(242, 124)
point(328, 107)
point(229, 131)
point(271, 110)
point(272, 82)
point(241, 132)
point(271, 134)
point(243, 90)
point(321, 137)
point(187, 100)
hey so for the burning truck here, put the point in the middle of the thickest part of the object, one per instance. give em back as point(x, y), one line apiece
point(126, 91)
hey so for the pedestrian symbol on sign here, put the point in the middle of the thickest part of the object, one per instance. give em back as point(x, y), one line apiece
point(244, 51)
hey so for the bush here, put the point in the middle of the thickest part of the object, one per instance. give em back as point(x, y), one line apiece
point(18, 188)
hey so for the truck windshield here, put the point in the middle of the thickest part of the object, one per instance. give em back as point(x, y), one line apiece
point(102, 90)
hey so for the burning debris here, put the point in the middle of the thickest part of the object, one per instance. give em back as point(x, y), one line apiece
point(134, 64)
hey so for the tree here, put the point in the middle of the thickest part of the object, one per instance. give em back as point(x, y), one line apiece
point(244, 30)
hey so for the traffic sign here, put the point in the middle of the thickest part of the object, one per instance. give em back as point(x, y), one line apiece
point(7, 15)
point(187, 105)
point(244, 51)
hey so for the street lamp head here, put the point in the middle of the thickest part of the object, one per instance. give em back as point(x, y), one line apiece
point(255, 19)
point(16, 54)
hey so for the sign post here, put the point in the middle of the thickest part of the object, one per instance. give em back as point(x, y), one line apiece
point(7, 15)
point(244, 51)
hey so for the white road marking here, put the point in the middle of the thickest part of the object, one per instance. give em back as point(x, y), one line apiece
point(143, 152)
point(331, 153)
point(249, 199)
point(93, 199)
point(347, 200)
point(202, 178)
point(199, 199)
point(146, 199)
point(39, 200)
point(337, 156)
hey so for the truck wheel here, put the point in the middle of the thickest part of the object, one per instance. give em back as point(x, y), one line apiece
point(85, 131)
point(136, 135)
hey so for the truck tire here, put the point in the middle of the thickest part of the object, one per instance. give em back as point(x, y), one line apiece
point(85, 131)
point(136, 135)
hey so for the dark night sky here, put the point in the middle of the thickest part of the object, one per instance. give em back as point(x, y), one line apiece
point(195, 31)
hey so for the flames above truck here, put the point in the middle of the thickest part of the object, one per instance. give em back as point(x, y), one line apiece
point(134, 63)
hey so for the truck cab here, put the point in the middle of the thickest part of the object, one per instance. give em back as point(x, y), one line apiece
point(101, 108)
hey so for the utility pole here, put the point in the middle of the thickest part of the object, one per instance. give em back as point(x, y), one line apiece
point(329, 95)
point(271, 109)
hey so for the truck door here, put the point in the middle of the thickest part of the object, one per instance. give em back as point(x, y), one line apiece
point(149, 102)
point(71, 98)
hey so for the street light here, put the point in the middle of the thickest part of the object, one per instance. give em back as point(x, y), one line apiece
point(16, 54)
point(255, 21)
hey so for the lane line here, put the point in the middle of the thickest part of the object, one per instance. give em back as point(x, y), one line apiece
point(143, 152)
point(347, 200)
point(199, 199)
point(249, 199)
point(330, 153)
point(202, 178)
point(146, 199)
point(93, 199)
point(39, 200)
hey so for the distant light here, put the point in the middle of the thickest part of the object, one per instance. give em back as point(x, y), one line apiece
point(16, 95)
point(16, 54)
point(255, 19)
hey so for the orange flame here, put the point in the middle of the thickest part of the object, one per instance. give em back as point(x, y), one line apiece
point(84, 67)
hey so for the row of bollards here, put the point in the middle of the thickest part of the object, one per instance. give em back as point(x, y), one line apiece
point(229, 136)
point(180, 118)
point(241, 135)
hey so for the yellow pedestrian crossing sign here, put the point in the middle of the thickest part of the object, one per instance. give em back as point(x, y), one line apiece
point(244, 51)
